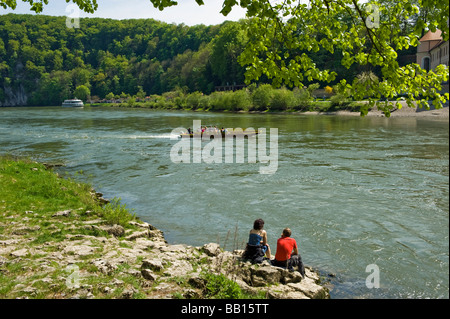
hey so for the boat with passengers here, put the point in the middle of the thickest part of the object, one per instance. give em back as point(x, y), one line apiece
point(214, 131)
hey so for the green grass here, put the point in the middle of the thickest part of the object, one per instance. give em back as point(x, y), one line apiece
point(117, 213)
point(28, 188)
point(218, 286)
point(30, 195)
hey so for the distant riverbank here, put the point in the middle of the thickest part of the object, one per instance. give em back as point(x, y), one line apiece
point(438, 114)
point(441, 114)
point(254, 99)
point(312, 108)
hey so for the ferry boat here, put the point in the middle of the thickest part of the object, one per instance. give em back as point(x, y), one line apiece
point(73, 103)
point(222, 133)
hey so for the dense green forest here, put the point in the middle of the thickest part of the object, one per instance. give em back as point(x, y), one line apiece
point(50, 60)
point(43, 62)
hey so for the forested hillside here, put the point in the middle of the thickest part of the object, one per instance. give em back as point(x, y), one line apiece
point(43, 62)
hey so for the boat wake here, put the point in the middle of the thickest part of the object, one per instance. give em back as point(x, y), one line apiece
point(149, 136)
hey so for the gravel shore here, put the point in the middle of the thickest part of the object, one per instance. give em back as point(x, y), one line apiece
point(405, 111)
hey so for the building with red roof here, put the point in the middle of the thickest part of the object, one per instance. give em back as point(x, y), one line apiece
point(432, 50)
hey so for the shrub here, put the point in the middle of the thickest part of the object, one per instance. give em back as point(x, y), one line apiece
point(313, 87)
point(227, 101)
point(240, 100)
point(149, 104)
point(221, 101)
point(193, 100)
point(116, 213)
point(131, 102)
point(180, 103)
point(109, 96)
point(216, 101)
point(302, 99)
point(262, 97)
point(339, 102)
point(282, 100)
point(204, 102)
point(220, 287)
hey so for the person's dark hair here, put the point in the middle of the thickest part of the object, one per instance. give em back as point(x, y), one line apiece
point(287, 232)
point(258, 224)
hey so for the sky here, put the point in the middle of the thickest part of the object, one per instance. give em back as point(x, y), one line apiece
point(187, 11)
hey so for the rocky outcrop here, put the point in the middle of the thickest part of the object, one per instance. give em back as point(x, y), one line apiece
point(276, 282)
point(14, 97)
point(97, 260)
point(168, 261)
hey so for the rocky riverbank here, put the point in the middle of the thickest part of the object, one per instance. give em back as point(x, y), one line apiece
point(76, 253)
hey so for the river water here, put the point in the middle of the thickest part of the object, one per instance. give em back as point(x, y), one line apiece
point(367, 199)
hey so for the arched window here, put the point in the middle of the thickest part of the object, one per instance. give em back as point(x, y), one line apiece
point(426, 63)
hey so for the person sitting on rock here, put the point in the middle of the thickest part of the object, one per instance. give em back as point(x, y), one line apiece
point(257, 245)
point(287, 253)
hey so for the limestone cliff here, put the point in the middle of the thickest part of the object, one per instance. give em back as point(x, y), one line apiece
point(14, 97)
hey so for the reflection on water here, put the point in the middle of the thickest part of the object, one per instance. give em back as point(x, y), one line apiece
point(354, 191)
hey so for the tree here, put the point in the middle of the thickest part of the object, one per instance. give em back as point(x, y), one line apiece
point(82, 92)
point(2, 48)
point(141, 93)
point(262, 97)
point(37, 6)
point(109, 96)
point(53, 88)
point(284, 35)
point(226, 48)
point(283, 38)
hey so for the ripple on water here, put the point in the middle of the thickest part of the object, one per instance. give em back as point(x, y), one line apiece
point(355, 191)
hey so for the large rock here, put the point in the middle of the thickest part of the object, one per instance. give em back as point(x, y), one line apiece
point(135, 235)
point(310, 288)
point(155, 265)
point(266, 275)
point(276, 282)
point(63, 213)
point(79, 250)
point(20, 253)
point(178, 267)
point(290, 277)
point(115, 230)
point(148, 274)
point(105, 266)
point(211, 249)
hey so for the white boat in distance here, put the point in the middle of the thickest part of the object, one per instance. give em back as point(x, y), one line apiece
point(73, 103)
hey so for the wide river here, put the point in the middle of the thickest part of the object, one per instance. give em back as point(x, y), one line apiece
point(367, 199)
